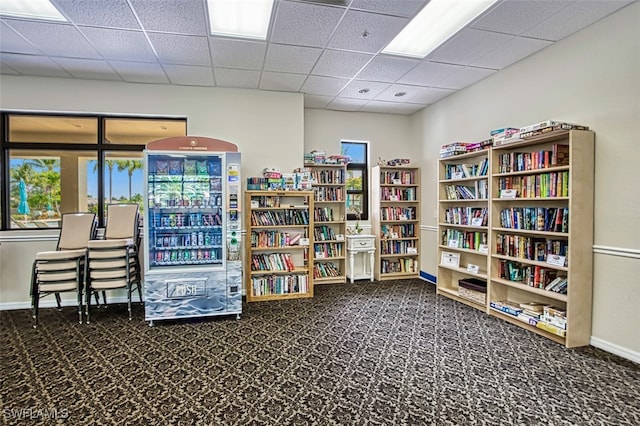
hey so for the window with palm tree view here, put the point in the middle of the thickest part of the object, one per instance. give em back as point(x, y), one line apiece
point(357, 183)
point(54, 164)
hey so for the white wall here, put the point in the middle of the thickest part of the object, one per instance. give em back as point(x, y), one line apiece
point(592, 78)
point(262, 124)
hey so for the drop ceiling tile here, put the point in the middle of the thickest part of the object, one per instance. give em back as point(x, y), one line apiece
point(181, 49)
point(122, 45)
point(175, 16)
point(380, 30)
point(233, 53)
point(189, 75)
point(574, 17)
point(387, 68)
point(245, 79)
point(140, 72)
point(342, 104)
point(291, 59)
point(285, 82)
point(316, 101)
point(328, 86)
point(467, 46)
point(33, 65)
point(338, 63)
point(62, 40)
point(11, 41)
point(514, 17)
point(112, 13)
point(429, 73)
point(464, 77)
point(389, 94)
point(89, 69)
point(304, 24)
point(404, 8)
point(353, 89)
point(511, 52)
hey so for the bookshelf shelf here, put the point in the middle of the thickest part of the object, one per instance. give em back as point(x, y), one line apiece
point(278, 265)
point(396, 210)
point(330, 225)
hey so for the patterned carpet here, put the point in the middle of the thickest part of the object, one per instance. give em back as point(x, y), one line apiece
point(388, 353)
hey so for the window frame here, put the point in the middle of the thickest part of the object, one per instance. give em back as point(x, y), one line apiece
point(100, 147)
point(364, 169)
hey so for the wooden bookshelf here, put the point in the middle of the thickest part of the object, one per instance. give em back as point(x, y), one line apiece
point(277, 265)
point(329, 219)
point(550, 217)
point(395, 219)
point(463, 240)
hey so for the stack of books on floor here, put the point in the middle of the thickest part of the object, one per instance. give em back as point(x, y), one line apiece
point(545, 317)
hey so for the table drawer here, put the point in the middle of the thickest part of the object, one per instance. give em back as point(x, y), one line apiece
point(355, 242)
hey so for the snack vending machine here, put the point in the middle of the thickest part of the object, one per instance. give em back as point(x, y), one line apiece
point(192, 232)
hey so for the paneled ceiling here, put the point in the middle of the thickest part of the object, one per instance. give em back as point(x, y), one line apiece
point(327, 49)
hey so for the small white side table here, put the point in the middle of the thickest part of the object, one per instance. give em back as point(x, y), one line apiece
point(361, 243)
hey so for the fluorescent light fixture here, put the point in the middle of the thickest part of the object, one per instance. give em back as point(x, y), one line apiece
point(240, 18)
point(32, 9)
point(436, 22)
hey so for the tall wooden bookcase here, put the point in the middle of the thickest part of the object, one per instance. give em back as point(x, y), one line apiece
point(395, 220)
point(463, 224)
point(329, 219)
point(549, 220)
point(540, 227)
point(278, 254)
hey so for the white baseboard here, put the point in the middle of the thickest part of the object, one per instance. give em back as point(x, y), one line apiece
point(12, 306)
point(615, 349)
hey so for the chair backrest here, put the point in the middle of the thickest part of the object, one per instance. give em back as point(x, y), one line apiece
point(122, 222)
point(76, 230)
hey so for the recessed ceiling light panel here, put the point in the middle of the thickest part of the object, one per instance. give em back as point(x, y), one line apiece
point(31, 9)
point(240, 18)
point(436, 23)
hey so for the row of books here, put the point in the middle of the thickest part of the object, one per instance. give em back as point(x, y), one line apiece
point(398, 194)
point(281, 217)
point(530, 275)
point(326, 270)
point(530, 248)
point(457, 148)
point(280, 284)
point(328, 177)
point(398, 213)
point(462, 171)
point(398, 177)
point(323, 193)
point(549, 219)
point(525, 161)
point(467, 216)
point(272, 262)
point(265, 239)
point(328, 250)
point(544, 185)
point(471, 240)
point(401, 265)
point(478, 191)
point(406, 230)
point(323, 214)
point(324, 233)
point(398, 247)
point(545, 317)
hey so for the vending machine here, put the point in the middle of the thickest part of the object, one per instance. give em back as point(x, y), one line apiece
point(192, 229)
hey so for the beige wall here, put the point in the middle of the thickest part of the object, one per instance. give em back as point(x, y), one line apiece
point(589, 78)
point(262, 124)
